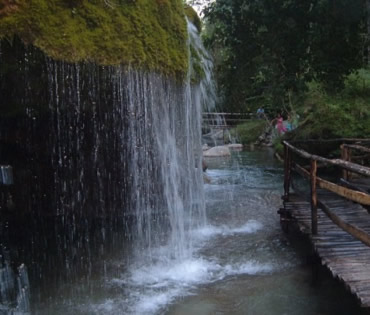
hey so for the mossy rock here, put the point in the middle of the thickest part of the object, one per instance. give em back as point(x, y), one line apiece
point(197, 73)
point(147, 34)
point(193, 17)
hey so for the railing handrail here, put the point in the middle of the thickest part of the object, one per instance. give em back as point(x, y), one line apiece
point(315, 181)
point(338, 140)
point(357, 147)
point(226, 114)
point(353, 167)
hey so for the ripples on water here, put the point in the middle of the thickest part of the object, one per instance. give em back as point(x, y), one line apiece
point(259, 270)
point(242, 238)
point(242, 262)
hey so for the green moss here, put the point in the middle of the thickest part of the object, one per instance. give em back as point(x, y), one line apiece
point(193, 17)
point(148, 34)
point(197, 73)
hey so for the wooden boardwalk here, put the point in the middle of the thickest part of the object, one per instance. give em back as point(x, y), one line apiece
point(225, 120)
point(339, 231)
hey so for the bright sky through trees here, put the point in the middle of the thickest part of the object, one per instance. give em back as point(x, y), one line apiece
point(199, 5)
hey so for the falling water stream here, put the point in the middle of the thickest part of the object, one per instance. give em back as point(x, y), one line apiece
point(107, 212)
point(248, 264)
point(242, 262)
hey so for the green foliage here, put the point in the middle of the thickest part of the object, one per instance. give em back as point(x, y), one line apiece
point(272, 49)
point(278, 146)
point(148, 34)
point(250, 131)
point(337, 40)
point(344, 114)
point(197, 71)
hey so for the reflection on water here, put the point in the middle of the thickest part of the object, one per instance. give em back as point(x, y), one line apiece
point(242, 263)
point(271, 274)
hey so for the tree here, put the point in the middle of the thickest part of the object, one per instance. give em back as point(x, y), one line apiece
point(368, 31)
point(336, 40)
point(271, 48)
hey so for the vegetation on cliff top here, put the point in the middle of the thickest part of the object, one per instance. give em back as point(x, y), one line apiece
point(193, 17)
point(346, 113)
point(148, 34)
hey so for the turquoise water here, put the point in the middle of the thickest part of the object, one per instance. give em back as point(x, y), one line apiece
point(264, 270)
point(242, 262)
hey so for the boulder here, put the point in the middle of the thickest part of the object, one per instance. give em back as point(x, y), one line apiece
point(217, 151)
point(205, 147)
point(235, 146)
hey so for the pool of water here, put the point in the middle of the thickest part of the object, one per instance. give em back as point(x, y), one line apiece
point(264, 271)
point(242, 262)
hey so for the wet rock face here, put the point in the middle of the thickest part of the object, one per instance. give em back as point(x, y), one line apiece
point(101, 153)
point(93, 149)
point(57, 131)
point(75, 134)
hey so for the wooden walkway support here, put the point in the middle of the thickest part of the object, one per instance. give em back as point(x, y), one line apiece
point(334, 214)
point(225, 120)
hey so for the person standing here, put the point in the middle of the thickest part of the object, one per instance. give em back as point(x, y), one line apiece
point(260, 112)
point(280, 125)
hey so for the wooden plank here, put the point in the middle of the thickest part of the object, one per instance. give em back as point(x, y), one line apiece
point(342, 240)
point(356, 186)
point(227, 114)
point(336, 140)
point(313, 197)
point(226, 119)
point(287, 171)
point(354, 195)
point(357, 147)
point(354, 231)
point(346, 157)
point(353, 167)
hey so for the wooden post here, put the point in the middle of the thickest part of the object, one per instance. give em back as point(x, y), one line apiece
point(313, 175)
point(344, 155)
point(287, 171)
point(349, 159)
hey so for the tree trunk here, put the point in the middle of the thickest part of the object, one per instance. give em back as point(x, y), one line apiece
point(368, 30)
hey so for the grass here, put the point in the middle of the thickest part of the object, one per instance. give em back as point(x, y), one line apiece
point(250, 131)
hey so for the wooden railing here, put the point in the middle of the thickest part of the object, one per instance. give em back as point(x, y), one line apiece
point(291, 152)
point(225, 120)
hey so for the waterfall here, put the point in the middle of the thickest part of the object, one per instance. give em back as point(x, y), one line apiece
point(207, 89)
point(165, 164)
point(100, 148)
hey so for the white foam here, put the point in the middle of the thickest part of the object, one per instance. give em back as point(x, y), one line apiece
point(251, 226)
point(156, 285)
point(248, 268)
point(209, 231)
point(150, 304)
point(109, 306)
point(153, 287)
point(106, 307)
point(182, 273)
